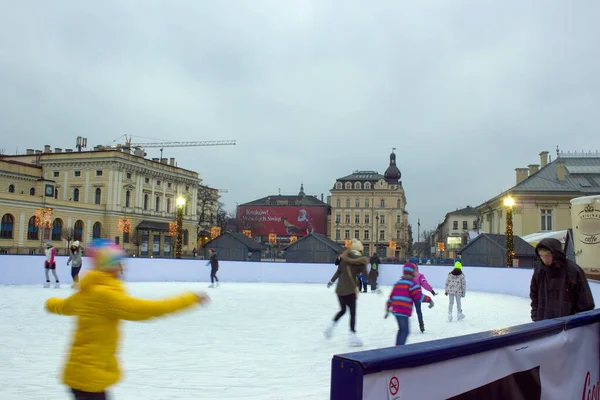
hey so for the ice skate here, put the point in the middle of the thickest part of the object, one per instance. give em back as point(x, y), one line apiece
point(217, 284)
point(422, 326)
point(353, 340)
point(57, 285)
point(328, 332)
point(460, 316)
point(75, 285)
point(47, 285)
point(212, 285)
point(449, 317)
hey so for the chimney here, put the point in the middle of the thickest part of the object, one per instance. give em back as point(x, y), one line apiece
point(47, 149)
point(321, 196)
point(29, 152)
point(521, 174)
point(533, 168)
point(172, 161)
point(69, 150)
point(38, 152)
point(561, 169)
point(155, 159)
point(57, 150)
point(164, 161)
point(543, 159)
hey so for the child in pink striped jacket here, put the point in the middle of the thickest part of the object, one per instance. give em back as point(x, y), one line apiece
point(404, 293)
point(422, 281)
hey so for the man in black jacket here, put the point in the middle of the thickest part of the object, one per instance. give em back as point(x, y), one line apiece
point(214, 267)
point(559, 287)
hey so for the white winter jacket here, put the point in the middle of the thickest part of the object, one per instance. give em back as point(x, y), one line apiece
point(456, 284)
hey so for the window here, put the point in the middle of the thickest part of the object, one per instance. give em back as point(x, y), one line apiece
point(125, 237)
point(465, 225)
point(32, 230)
point(357, 218)
point(78, 231)
point(368, 185)
point(11, 188)
point(75, 194)
point(338, 185)
point(338, 203)
point(157, 183)
point(356, 234)
point(128, 176)
point(77, 174)
point(399, 218)
point(475, 225)
point(382, 219)
point(546, 220)
point(32, 192)
point(157, 204)
point(168, 204)
point(97, 230)
point(56, 193)
point(127, 199)
point(187, 188)
point(185, 237)
point(145, 201)
point(397, 234)
point(366, 234)
point(347, 203)
point(398, 203)
point(338, 218)
point(367, 203)
point(357, 185)
point(6, 227)
point(348, 186)
point(367, 219)
point(347, 218)
point(57, 230)
point(382, 203)
point(147, 180)
point(382, 235)
point(338, 234)
point(357, 203)
point(169, 185)
point(347, 234)
point(98, 172)
point(455, 225)
point(56, 174)
point(98, 196)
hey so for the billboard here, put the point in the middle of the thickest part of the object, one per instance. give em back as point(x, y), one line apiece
point(283, 220)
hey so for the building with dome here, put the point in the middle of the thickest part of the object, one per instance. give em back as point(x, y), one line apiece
point(372, 208)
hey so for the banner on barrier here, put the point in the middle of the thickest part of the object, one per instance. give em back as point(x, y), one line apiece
point(562, 366)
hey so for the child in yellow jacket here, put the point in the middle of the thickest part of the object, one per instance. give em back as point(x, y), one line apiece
point(99, 305)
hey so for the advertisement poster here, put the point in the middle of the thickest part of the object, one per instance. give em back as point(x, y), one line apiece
point(283, 220)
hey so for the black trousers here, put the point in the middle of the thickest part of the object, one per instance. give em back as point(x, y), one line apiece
point(75, 271)
point(347, 301)
point(213, 275)
point(373, 278)
point(79, 395)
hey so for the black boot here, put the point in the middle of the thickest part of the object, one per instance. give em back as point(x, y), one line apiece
point(422, 326)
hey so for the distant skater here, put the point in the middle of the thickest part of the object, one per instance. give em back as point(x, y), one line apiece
point(214, 267)
point(50, 265)
point(75, 258)
point(456, 289)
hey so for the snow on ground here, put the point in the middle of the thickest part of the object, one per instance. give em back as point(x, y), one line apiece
point(254, 341)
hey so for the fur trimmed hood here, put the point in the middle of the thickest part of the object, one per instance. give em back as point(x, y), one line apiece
point(354, 257)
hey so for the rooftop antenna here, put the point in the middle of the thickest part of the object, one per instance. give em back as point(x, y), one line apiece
point(280, 191)
point(81, 143)
point(557, 151)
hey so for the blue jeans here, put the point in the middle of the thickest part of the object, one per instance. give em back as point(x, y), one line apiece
point(419, 313)
point(402, 330)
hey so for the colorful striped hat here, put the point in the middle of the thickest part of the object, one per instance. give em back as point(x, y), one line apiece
point(106, 254)
point(409, 269)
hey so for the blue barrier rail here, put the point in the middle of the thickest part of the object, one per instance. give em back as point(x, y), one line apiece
point(348, 370)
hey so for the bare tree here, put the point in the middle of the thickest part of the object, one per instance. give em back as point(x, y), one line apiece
point(68, 235)
point(208, 199)
point(136, 240)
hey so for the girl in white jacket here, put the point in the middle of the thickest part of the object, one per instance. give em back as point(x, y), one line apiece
point(456, 288)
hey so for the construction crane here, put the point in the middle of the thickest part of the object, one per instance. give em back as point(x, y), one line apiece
point(138, 146)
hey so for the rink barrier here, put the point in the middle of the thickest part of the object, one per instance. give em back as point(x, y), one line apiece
point(517, 363)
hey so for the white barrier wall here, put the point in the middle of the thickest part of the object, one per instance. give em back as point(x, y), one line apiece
point(29, 270)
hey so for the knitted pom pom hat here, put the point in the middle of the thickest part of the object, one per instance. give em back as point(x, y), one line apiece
point(106, 254)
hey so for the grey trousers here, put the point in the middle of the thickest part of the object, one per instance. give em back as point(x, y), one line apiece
point(458, 304)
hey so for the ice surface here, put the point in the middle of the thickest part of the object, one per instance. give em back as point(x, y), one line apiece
point(254, 341)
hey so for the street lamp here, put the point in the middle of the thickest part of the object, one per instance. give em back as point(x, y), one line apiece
point(509, 202)
point(179, 241)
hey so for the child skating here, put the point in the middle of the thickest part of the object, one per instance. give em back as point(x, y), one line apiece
point(421, 281)
point(50, 265)
point(75, 258)
point(456, 289)
point(403, 294)
point(99, 306)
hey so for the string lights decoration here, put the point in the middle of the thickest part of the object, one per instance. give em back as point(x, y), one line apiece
point(124, 225)
point(293, 239)
point(510, 245)
point(247, 232)
point(179, 240)
point(272, 238)
point(172, 229)
point(215, 231)
point(392, 245)
point(43, 217)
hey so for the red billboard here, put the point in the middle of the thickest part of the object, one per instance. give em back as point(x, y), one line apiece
point(283, 220)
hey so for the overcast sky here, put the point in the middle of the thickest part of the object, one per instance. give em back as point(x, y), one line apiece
point(311, 90)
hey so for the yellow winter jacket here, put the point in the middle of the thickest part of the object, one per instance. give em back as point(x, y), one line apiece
point(99, 305)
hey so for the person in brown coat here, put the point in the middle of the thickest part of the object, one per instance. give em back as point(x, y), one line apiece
point(559, 287)
point(352, 263)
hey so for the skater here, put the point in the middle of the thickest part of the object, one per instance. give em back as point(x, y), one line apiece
point(50, 265)
point(374, 272)
point(559, 287)
point(75, 258)
point(421, 281)
point(361, 282)
point(405, 292)
point(99, 305)
point(352, 263)
point(456, 288)
point(214, 267)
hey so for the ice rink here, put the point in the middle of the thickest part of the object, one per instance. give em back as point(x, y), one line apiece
point(254, 341)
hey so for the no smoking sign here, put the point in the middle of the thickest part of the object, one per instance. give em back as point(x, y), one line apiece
point(393, 387)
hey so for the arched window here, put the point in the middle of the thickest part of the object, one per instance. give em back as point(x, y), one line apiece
point(75, 194)
point(338, 185)
point(57, 230)
point(157, 204)
point(32, 192)
point(367, 185)
point(98, 196)
point(382, 203)
point(11, 188)
point(32, 230)
point(78, 231)
point(145, 201)
point(348, 186)
point(356, 185)
point(97, 230)
point(185, 237)
point(6, 228)
point(127, 199)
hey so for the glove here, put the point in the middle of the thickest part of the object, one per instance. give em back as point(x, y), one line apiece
point(387, 312)
point(446, 293)
point(433, 293)
point(329, 284)
point(67, 263)
point(431, 304)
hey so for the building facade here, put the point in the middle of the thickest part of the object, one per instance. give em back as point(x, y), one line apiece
point(454, 231)
point(61, 196)
point(542, 194)
point(372, 208)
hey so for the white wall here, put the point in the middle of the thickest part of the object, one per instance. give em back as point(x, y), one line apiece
point(29, 270)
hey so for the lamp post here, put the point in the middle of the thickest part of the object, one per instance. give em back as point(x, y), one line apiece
point(179, 241)
point(509, 202)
